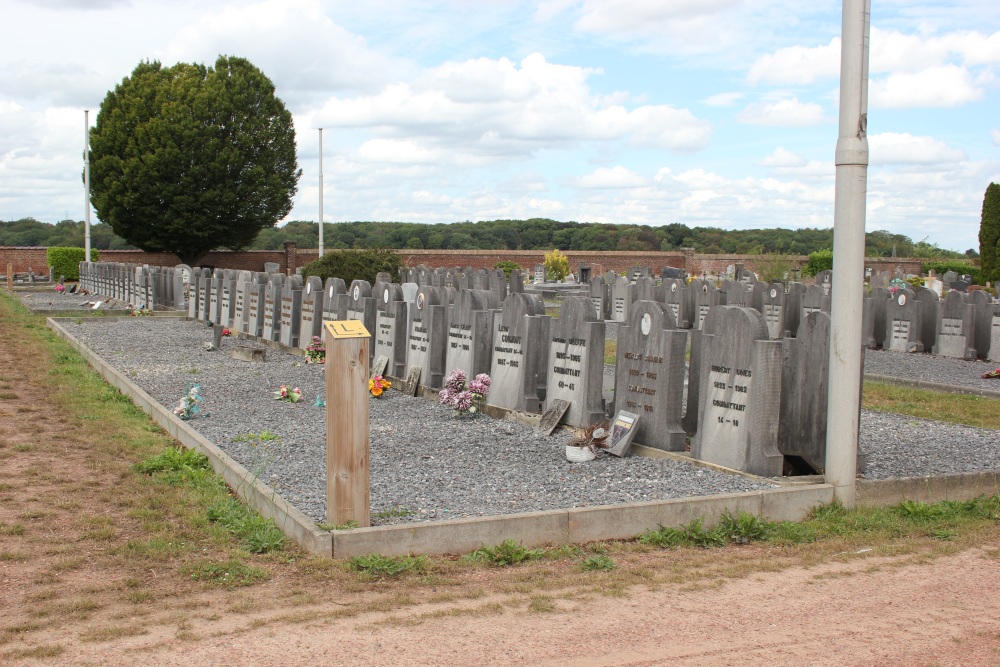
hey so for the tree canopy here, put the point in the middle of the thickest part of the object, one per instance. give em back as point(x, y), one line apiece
point(989, 233)
point(190, 158)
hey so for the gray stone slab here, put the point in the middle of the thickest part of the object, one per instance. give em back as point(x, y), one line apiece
point(575, 371)
point(470, 332)
point(623, 293)
point(649, 375)
point(903, 320)
point(554, 412)
point(520, 354)
point(740, 395)
point(956, 335)
point(390, 329)
point(428, 336)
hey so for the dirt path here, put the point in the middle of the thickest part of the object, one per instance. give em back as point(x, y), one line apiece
point(68, 596)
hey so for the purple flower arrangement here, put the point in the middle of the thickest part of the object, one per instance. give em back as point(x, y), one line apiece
point(464, 396)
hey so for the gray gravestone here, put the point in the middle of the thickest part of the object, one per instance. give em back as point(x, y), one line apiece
point(255, 305)
point(240, 303)
point(649, 375)
point(272, 308)
point(291, 312)
point(334, 300)
point(311, 318)
point(428, 335)
point(470, 332)
point(214, 296)
point(930, 310)
point(903, 319)
point(824, 279)
point(982, 305)
point(646, 289)
point(600, 297)
point(880, 305)
point(390, 328)
point(956, 336)
point(520, 354)
point(740, 395)
point(361, 305)
point(576, 361)
point(805, 379)
point(623, 294)
point(814, 300)
point(772, 307)
point(705, 296)
point(993, 321)
point(679, 301)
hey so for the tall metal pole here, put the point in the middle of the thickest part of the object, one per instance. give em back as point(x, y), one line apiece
point(844, 397)
point(86, 185)
point(321, 192)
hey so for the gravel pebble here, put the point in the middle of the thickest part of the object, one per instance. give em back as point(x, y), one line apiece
point(425, 464)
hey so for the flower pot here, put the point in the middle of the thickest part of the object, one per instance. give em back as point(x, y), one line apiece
point(579, 454)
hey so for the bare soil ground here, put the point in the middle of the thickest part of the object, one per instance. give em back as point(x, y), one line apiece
point(74, 592)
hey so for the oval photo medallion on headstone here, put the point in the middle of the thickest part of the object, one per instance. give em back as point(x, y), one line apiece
point(901, 300)
point(357, 292)
point(309, 288)
point(420, 301)
point(774, 293)
point(330, 295)
point(704, 289)
point(646, 324)
point(385, 295)
point(673, 287)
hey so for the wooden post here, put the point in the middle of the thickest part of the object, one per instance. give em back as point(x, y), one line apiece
point(10, 277)
point(347, 478)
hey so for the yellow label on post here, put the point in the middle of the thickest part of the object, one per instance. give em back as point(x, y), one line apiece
point(347, 329)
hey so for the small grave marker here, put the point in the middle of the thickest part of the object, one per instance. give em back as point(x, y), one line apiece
point(552, 416)
point(623, 431)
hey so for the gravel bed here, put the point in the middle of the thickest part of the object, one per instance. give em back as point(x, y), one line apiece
point(931, 368)
point(53, 300)
point(903, 446)
point(424, 464)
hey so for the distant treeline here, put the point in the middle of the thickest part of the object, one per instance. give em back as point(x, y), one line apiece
point(533, 234)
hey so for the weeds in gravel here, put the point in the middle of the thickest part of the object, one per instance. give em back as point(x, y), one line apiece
point(508, 552)
point(375, 566)
point(227, 574)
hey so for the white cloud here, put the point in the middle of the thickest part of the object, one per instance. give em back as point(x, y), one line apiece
point(943, 86)
point(723, 99)
point(686, 26)
point(995, 135)
point(904, 148)
point(782, 157)
point(292, 41)
point(785, 113)
point(396, 151)
point(490, 108)
point(615, 177)
point(797, 64)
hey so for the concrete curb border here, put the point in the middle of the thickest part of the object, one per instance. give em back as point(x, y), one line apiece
point(575, 525)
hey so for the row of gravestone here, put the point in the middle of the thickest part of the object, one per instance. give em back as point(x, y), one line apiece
point(914, 319)
point(139, 285)
point(751, 402)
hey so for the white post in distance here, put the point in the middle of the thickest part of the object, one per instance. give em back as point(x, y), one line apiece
point(86, 185)
point(844, 395)
point(321, 192)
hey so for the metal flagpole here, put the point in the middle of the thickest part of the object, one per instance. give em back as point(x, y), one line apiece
point(321, 192)
point(86, 185)
point(844, 395)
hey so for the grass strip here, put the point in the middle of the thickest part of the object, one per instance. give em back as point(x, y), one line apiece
point(967, 409)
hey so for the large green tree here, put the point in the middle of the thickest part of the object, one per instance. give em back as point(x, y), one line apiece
point(190, 158)
point(989, 233)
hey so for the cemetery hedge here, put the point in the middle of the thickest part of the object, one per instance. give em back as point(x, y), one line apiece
point(351, 265)
point(211, 177)
point(66, 261)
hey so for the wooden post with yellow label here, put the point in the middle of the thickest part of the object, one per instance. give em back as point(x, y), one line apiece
point(347, 479)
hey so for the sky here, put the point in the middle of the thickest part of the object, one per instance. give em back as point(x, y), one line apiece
point(718, 113)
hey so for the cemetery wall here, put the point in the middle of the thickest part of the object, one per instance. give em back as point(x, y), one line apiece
point(291, 257)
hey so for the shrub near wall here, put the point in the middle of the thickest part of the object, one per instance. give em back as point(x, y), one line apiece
point(66, 261)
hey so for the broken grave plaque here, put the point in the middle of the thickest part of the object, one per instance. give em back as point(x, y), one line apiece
point(553, 415)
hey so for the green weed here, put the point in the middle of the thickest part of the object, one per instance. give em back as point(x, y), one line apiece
point(507, 552)
point(376, 566)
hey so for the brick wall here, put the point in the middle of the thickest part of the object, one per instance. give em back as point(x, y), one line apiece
point(291, 257)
